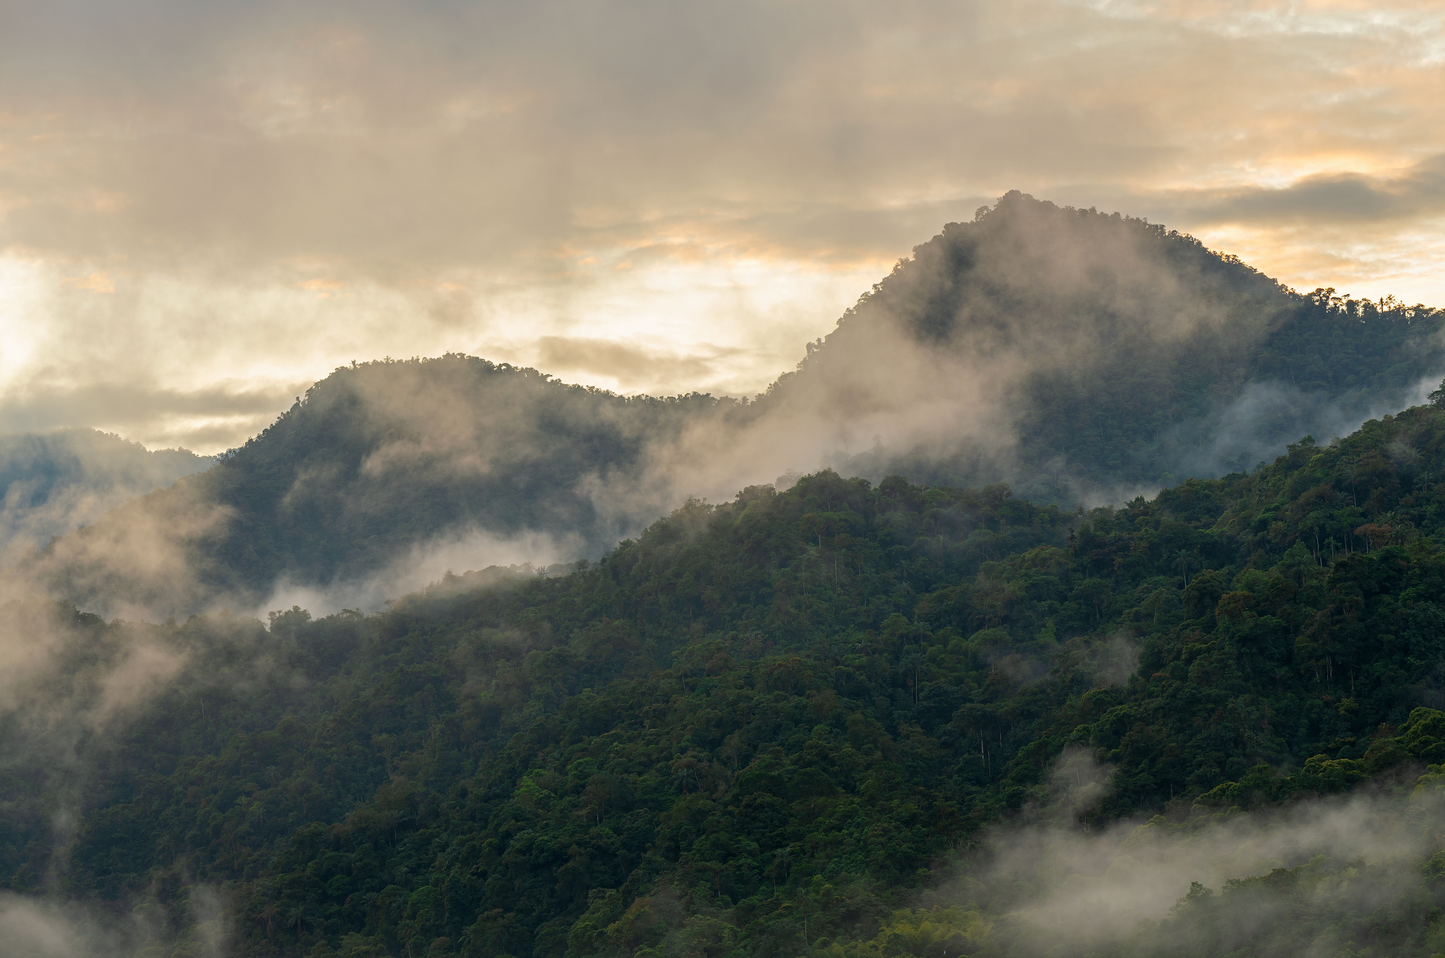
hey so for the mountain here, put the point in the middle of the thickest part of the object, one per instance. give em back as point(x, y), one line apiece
point(54, 482)
point(839, 720)
point(1082, 357)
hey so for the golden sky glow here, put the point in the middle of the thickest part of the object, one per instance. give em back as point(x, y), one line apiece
point(205, 207)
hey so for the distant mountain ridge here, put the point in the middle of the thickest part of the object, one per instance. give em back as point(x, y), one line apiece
point(1078, 356)
point(52, 482)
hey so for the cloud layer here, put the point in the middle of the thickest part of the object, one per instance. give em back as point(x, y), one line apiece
point(235, 198)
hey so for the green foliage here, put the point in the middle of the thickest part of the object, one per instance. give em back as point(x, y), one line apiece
point(925, 933)
point(759, 727)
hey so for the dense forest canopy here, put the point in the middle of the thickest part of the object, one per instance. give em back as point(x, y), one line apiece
point(844, 719)
point(1079, 356)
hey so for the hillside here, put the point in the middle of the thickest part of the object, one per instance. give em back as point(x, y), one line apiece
point(821, 722)
point(1082, 357)
point(53, 482)
point(376, 465)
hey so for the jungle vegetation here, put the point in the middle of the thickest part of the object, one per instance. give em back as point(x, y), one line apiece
point(779, 725)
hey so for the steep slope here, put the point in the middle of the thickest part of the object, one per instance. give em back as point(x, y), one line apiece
point(1080, 356)
point(764, 726)
point(53, 482)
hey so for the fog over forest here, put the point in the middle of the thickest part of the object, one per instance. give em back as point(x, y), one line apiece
point(821, 479)
point(1077, 595)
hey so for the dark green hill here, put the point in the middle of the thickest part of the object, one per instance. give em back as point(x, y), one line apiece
point(53, 482)
point(376, 462)
point(385, 455)
point(1077, 355)
point(764, 727)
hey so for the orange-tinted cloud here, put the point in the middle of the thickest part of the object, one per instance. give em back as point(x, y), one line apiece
point(473, 175)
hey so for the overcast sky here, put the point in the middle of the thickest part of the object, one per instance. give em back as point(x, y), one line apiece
point(206, 204)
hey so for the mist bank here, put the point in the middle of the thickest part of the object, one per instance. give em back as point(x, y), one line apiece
point(1324, 875)
point(1078, 356)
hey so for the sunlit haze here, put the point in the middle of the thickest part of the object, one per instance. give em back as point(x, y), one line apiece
point(205, 208)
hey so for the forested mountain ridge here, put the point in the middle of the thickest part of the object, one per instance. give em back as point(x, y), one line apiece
point(1120, 354)
point(1077, 355)
point(774, 725)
